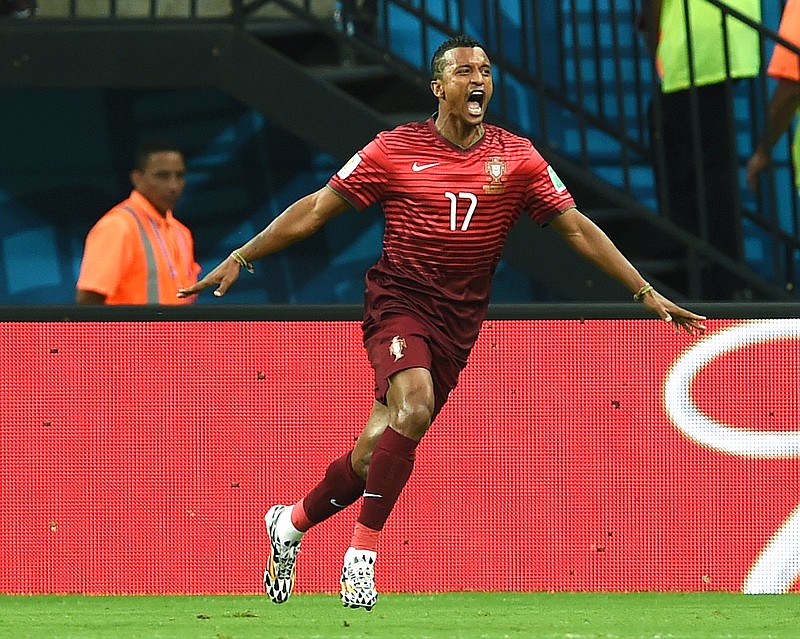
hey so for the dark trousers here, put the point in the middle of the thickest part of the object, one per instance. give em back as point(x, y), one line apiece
point(696, 173)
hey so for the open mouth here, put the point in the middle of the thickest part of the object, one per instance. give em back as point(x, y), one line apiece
point(475, 102)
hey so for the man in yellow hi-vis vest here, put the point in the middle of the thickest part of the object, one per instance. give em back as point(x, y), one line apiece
point(692, 122)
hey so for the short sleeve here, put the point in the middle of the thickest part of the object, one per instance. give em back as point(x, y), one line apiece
point(546, 196)
point(784, 64)
point(106, 255)
point(362, 180)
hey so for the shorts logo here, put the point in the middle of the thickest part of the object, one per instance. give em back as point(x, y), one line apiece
point(397, 347)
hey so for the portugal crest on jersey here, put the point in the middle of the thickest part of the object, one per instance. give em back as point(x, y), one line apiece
point(495, 169)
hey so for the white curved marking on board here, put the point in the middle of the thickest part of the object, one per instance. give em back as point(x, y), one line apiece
point(707, 431)
point(778, 565)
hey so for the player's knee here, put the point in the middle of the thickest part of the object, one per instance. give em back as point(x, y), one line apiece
point(413, 417)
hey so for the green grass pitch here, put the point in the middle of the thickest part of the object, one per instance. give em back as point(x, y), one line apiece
point(708, 615)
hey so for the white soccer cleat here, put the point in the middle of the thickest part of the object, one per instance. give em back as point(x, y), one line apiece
point(280, 571)
point(358, 579)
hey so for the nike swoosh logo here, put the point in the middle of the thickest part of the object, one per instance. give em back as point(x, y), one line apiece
point(421, 167)
point(373, 495)
point(336, 504)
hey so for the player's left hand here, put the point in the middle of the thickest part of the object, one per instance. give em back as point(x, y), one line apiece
point(670, 312)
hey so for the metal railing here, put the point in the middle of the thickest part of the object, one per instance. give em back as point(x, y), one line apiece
point(178, 9)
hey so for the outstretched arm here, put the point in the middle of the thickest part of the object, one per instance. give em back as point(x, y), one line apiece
point(589, 241)
point(301, 219)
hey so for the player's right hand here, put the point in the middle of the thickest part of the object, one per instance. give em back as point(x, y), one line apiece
point(223, 277)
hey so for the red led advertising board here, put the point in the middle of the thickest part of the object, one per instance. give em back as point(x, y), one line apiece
point(140, 457)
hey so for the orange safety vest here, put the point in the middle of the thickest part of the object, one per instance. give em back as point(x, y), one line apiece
point(134, 255)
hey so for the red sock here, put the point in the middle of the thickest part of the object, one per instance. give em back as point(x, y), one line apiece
point(300, 520)
point(389, 469)
point(365, 538)
point(340, 487)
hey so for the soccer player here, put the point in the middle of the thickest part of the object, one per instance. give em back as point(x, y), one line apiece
point(451, 187)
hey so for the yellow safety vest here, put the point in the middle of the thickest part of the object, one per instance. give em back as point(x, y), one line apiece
point(708, 43)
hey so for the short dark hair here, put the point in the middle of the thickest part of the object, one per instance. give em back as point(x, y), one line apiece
point(148, 147)
point(455, 42)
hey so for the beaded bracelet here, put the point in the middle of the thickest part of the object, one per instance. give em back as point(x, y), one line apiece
point(242, 261)
point(638, 295)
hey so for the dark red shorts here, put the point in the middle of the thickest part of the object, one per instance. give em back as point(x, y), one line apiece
point(396, 343)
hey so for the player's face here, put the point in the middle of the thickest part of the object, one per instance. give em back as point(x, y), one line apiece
point(466, 86)
point(162, 180)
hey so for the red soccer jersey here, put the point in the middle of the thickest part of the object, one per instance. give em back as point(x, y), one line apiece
point(448, 211)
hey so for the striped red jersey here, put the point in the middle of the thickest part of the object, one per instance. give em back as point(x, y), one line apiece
point(447, 213)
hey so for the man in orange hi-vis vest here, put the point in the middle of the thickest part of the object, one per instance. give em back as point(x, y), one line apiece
point(784, 66)
point(138, 253)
